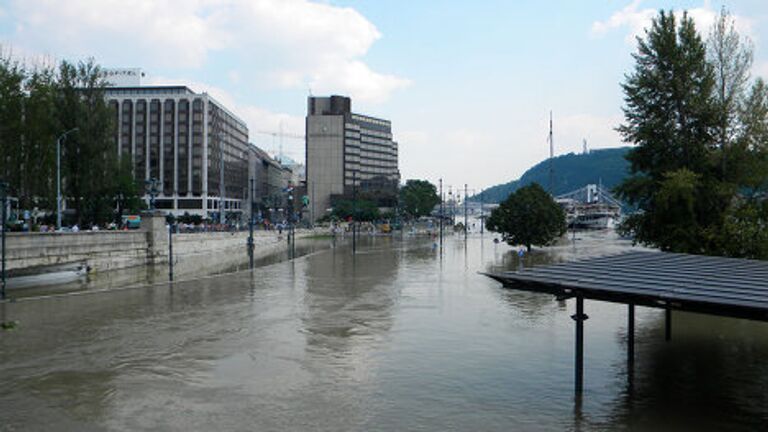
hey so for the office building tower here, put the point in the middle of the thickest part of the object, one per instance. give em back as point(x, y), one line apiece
point(348, 154)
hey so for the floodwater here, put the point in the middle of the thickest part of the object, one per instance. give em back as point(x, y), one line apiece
point(401, 336)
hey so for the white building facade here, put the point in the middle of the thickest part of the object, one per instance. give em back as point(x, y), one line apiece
point(182, 140)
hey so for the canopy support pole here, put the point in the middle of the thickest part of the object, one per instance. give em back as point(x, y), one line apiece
point(579, 317)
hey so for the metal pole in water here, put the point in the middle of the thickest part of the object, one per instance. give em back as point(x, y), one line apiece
point(293, 240)
point(667, 324)
point(250, 227)
point(441, 212)
point(631, 344)
point(354, 212)
point(3, 192)
point(631, 334)
point(579, 317)
point(466, 228)
point(170, 252)
point(482, 215)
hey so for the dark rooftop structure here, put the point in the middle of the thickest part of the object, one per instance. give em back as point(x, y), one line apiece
point(710, 285)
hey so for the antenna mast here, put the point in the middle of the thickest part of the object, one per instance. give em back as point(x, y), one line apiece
point(551, 156)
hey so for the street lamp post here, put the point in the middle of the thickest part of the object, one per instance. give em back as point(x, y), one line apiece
point(250, 224)
point(482, 214)
point(465, 212)
point(221, 178)
point(3, 202)
point(442, 200)
point(354, 212)
point(58, 174)
point(292, 225)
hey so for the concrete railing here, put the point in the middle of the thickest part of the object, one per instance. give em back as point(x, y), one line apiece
point(111, 250)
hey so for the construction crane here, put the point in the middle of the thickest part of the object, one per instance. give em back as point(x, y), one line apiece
point(280, 135)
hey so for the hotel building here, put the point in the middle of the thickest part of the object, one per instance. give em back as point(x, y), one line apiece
point(183, 140)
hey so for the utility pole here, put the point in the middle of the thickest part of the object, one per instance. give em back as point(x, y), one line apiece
point(170, 251)
point(354, 212)
point(442, 201)
point(58, 175)
point(482, 214)
point(221, 179)
point(466, 228)
point(3, 201)
point(250, 225)
point(292, 235)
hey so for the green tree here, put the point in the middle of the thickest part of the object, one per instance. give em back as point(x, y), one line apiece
point(670, 115)
point(40, 132)
point(730, 56)
point(418, 198)
point(673, 222)
point(745, 231)
point(88, 154)
point(529, 216)
point(126, 191)
point(361, 210)
point(748, 156)
point(11, 122)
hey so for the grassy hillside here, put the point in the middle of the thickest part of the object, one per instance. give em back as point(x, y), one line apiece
point(572, 171)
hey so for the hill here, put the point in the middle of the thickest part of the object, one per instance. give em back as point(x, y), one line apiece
point(572, 171)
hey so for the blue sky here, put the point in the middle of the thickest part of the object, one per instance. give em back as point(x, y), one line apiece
point(467, 85)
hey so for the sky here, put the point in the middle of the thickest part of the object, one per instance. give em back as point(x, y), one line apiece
point(468, 85)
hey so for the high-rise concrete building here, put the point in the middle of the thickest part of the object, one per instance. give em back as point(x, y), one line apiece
point(348, 153)
point(183, 139)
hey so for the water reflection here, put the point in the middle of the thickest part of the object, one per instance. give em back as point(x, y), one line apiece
point(712, 375)
point(350, 296)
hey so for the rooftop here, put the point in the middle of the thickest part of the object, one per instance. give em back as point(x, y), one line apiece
point(696, 283)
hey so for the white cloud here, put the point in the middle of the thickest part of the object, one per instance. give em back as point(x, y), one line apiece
point(630, 17)
point(636, 20)
point(164, 32)
point(292, 44)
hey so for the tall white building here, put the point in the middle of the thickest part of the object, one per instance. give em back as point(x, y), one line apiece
point(183, 139)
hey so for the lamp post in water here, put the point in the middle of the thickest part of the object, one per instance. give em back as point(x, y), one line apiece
point(61, 138)
point(442, 202)
point(3, 202)
point(250, 223)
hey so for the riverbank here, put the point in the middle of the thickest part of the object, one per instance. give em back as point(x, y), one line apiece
point(112, 265)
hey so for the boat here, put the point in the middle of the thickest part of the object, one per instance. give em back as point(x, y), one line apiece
point(590, 207)
point(596, 216)
point(47, 275)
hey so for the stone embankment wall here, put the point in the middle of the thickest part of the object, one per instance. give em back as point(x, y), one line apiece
point(112, 250)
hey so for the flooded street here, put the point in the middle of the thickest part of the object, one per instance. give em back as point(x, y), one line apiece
point(400, 336)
